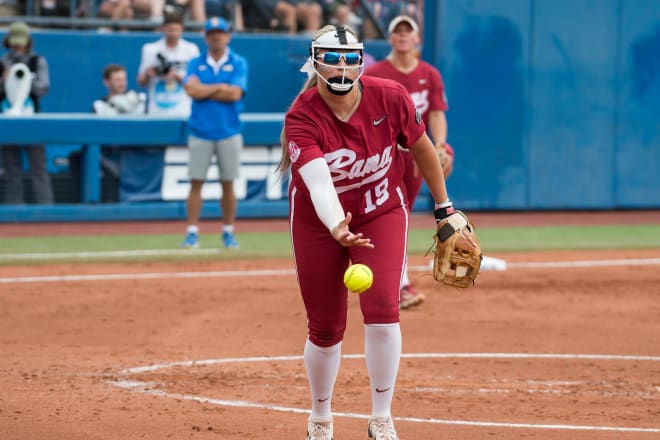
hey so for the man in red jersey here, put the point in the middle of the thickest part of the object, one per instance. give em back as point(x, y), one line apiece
point(426, 88)
point(348, 205)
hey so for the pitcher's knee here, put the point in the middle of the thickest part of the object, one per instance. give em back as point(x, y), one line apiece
point(381, 315)
point(326, 337)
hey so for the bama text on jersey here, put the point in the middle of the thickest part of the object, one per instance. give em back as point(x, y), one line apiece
point(344, 168)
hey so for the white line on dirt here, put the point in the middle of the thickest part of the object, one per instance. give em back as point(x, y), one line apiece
point(587, 263)
point(140, 387)
point(148, 388)
point(147, 276)
point(203, 362)
point(107, 254)
point(288, 272)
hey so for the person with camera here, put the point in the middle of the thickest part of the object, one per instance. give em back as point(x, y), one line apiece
point(163, 67)
point(24, 80)
point(217, 82)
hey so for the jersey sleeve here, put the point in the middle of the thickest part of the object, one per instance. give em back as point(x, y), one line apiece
point(302, 137)
point(412, 125)
point(438, 97)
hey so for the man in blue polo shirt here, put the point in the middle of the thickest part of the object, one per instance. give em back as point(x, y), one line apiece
point(217, 82)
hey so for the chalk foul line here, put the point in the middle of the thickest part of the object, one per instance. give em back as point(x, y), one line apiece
point(108, 254)
point(148, 276)
point(289, 272)
point(149, 388)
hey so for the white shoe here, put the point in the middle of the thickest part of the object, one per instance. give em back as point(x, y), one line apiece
point(382, 428)
point(492, 263)
point(319, 428)
point(409, 297)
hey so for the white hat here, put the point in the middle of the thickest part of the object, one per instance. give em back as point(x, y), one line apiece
point(400, 19)
point(337, 38)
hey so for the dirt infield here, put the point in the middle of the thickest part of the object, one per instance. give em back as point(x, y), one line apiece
point(536, 351)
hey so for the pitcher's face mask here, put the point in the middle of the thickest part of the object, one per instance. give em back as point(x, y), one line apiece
point(336, 57)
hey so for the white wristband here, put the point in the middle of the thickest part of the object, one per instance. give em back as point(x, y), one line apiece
point(446, 204)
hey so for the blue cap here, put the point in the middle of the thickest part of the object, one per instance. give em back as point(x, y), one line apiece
point(216, 24)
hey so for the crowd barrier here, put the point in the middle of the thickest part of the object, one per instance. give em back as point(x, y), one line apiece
point(91, 131)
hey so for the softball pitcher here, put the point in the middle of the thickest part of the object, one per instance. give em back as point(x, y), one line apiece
point(348, 204)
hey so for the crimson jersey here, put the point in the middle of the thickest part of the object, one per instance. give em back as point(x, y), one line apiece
point(427, 91)
point(424, 84)
point(361, 153)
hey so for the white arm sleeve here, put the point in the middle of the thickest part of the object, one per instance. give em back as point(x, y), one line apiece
point(318, 181)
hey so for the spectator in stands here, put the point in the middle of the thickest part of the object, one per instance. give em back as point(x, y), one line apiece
point(23, 98)
point(217, 82)
point(309, 13)
point(119, 99)
point(384, 11)
point(274, 15)
point(12, 8)
point(284, 15)
point(127, 9)
point(221, 8)
point(340, 12)
point(195, 8)
point(59, 8)
point(163, 67)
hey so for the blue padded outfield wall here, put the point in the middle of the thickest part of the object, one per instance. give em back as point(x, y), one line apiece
point(554, 104)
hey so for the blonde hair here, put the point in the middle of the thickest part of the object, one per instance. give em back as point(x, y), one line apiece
point(285, 161)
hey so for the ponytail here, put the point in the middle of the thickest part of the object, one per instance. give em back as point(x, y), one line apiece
point(285, 161)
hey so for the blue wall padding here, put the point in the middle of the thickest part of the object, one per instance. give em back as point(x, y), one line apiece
point(486, 47)
point(636, 162)
point(553, 104)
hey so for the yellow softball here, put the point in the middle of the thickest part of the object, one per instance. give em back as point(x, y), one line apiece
point(358, 278)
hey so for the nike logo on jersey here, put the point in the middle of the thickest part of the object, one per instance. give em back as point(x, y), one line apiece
point(323, 400)
point(378, 390)
point(422, 81)
point(378, 121)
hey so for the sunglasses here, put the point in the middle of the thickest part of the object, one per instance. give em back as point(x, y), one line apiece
point(333, 58)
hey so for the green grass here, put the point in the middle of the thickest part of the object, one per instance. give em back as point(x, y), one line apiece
point(560, 237)
point(278, 245)
point(265, 242)
point(253, 245)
